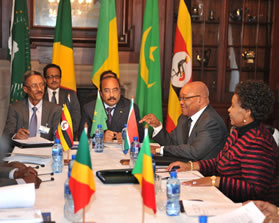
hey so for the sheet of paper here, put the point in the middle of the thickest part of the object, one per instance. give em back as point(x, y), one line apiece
point(33, 140)
point(28, 158)
point(112, 144)
point(183, 176)
point(245, 214)
point(17, 196)
point(208, 194)
point(197, 208)
point(28, 215)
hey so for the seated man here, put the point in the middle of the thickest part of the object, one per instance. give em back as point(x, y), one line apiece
point(116, 106)
point(27, 116)
point(200, 132)
point(57, 95)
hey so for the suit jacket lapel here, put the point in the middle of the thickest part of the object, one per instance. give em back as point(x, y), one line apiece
point(45, 114)
point(118, 114)
point(25, 112)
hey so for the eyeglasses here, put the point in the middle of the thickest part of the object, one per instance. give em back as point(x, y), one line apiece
point(186, 98)
point(53, 77)
point(36, 86)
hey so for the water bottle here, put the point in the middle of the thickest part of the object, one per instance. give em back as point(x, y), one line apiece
point(71, 163)
point(57, 157)
point(173, 192)
point(153, 164)
point(124, 132)
point(99, 139)
point(134, 151)
point(69, 211)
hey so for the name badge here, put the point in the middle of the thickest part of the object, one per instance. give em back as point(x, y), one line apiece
point(44, 129)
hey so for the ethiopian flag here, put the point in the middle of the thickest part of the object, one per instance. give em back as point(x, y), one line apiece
point(181, 72)
point(143, 171)
point(63, 54)
point(82, 184)
point(149, 97)
point(106, 54)
point(19, 48)
point(99, 116)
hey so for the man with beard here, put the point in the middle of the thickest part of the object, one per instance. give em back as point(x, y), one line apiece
point(32, 116)
point(116, 106)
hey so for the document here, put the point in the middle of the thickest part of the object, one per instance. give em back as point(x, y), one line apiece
point(17, 196)
point(33, 140)
point(22, 215)
point(198, 207)
point(183, 176)
point(248, 213)
point(28, 158)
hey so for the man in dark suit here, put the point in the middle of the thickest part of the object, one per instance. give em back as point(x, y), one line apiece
point(57, 95)
point(116, 106)
point(32, 116)
point(200, 132)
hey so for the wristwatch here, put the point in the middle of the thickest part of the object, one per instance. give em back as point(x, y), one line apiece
point(213, 180)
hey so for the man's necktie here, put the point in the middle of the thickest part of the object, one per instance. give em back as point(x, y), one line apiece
point(188, 129)
point(109, 110)
point(53, 99)
point(33, 123)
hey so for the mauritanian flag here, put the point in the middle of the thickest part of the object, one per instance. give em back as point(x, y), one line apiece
point(181, 64)
point(149, 97)
point(143, 171)
point(99, 116)
point(19, 48)
point(65, 128)
point(106, 53)
point(62, 53)
point(132, 128)
point(82, 184)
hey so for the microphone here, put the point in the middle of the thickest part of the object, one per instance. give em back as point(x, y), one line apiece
point(51, 179)
point(41, 174)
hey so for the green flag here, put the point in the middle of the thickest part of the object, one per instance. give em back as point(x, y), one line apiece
point(19, 48)
point(99, 116)
point(106, 53)
point(149, 97)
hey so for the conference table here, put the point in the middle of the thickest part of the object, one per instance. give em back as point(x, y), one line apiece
point(110, 202)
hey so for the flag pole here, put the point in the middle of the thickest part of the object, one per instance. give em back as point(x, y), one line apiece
point(83, 215)
point(142, 211)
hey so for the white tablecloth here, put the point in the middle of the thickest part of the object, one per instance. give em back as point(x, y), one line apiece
point(110, 203)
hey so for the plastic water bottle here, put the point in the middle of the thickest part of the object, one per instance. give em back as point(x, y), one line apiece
point(99, 139)
point(134, 151)
point(69, 211)
point(71, 163)
point(173, 192)
point(57, 157)
point(124, 132)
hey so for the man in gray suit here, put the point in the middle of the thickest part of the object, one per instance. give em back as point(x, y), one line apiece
point(32, 116)
point(116, 106)
point(200, 132)
point(54, 93)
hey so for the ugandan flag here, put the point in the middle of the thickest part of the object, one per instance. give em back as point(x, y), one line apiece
point(132, 128)
point(106, 53)
point(65, 128)
point(181, 64)
point(143, 171)
point(149, 97)
point(62, 53)
point(82, 184)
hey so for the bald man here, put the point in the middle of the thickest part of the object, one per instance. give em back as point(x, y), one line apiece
point(200, 132)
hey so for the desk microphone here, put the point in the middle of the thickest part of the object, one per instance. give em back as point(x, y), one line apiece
point(51, 179)
point(41, 174)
